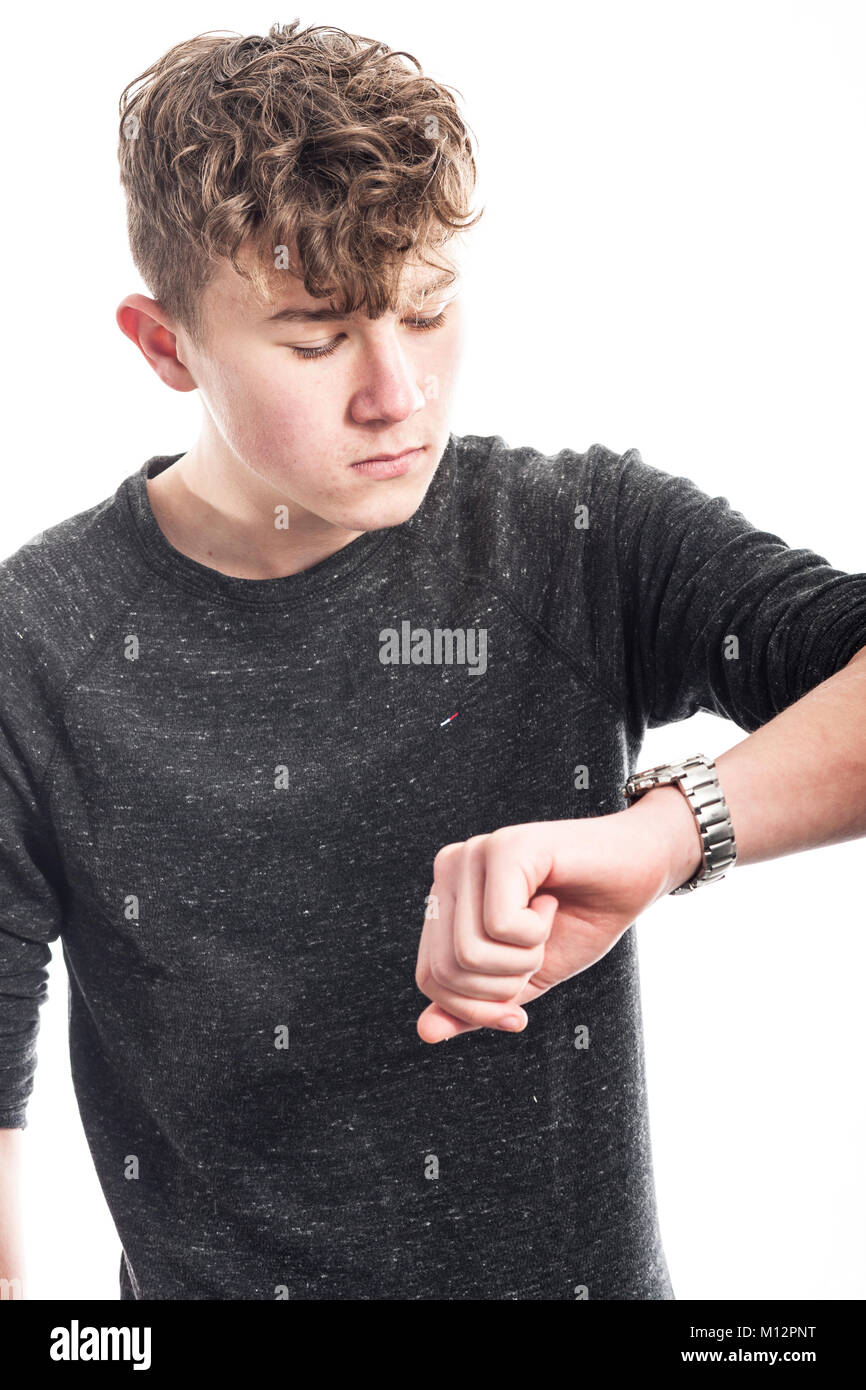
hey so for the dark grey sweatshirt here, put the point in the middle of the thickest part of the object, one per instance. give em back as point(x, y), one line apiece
point(224, 797)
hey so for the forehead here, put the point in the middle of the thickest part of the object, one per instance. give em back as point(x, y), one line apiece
point(230, 292)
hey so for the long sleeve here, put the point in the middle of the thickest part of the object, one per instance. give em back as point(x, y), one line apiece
point(712, 613)
point(31, 912)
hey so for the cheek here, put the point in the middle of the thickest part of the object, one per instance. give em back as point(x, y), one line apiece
point(254, 402)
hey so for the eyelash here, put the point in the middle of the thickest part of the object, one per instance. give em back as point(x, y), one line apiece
point(419, 326)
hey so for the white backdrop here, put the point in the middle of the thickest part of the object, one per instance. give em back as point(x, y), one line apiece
point(671, 258)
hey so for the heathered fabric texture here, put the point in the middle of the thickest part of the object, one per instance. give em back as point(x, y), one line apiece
point(226, 807)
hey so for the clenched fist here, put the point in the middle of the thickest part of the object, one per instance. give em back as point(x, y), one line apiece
point(522, 909)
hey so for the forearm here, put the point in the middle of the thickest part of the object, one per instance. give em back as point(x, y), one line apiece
point(797, 783)
point(11, 1236)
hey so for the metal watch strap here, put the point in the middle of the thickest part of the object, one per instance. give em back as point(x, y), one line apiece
point(698, 780)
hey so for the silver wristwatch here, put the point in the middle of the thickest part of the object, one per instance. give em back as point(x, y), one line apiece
point(697, 778)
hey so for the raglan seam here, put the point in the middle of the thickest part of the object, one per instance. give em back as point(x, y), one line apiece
point(589, 676)
point(44, 784)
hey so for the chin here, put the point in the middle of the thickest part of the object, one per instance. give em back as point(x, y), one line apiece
point(382, 517)
point(384, 511)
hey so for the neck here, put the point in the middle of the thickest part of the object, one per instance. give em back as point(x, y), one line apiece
point(223, 516)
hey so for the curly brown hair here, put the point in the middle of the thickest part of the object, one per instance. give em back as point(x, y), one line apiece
point(319, 152)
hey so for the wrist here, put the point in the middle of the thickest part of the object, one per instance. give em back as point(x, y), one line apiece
point(665, 814)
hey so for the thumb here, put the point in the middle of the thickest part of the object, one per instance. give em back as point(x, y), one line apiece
point(435, 1025)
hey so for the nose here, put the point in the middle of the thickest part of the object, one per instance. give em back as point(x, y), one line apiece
point(389, 388)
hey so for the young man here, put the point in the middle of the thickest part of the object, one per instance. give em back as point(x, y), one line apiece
point(314, 738)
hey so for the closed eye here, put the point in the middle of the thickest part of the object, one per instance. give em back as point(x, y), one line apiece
point(418, 325)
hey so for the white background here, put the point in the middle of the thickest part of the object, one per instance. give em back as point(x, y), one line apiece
point(672, 257)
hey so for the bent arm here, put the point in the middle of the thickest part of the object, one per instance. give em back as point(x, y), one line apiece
point(797, 783)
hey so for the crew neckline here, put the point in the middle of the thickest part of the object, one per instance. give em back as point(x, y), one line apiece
point(327, 575)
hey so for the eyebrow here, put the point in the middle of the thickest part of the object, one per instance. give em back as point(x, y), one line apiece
point(334, 315)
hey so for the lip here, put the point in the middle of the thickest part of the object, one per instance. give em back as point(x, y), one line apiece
point(389, 465)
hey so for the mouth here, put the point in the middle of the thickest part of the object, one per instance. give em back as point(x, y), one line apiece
point(389, 465)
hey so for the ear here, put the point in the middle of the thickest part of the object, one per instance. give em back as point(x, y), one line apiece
point(145, 323)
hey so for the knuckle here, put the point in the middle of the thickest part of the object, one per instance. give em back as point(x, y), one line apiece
point(444, 857)
point(467, 956)
point(438, 975)
point(497, 930)
point(524, 929)
point(476, 842)
point(502, 990)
